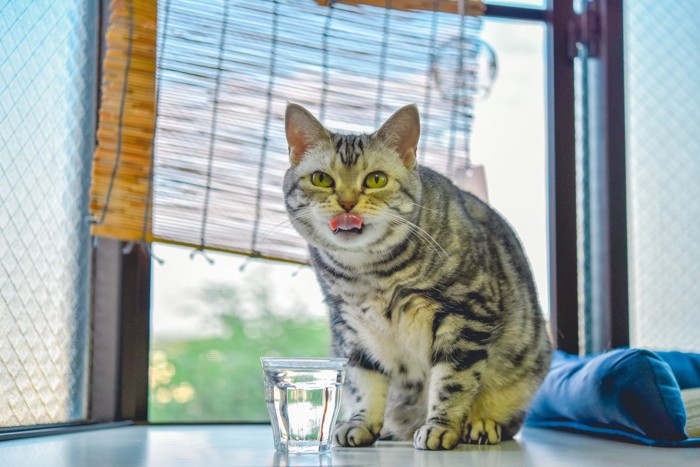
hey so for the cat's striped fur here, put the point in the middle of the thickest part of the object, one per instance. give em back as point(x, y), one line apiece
point(433, 302)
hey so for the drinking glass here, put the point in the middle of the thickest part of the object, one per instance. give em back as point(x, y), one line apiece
point(303, 398)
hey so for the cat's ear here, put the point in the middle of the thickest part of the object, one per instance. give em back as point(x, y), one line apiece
point(401, 132)
point(303, 132)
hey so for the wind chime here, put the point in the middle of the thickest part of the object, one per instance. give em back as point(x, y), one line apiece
point(464, 69)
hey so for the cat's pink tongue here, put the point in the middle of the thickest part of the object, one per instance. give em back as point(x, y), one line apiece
point(345, 221)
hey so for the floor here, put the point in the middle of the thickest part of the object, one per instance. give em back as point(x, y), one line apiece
point(251, 445)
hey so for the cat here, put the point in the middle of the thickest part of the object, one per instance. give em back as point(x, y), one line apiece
point(431, 297)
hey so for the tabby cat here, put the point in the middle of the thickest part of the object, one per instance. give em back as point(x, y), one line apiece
point(431, 296)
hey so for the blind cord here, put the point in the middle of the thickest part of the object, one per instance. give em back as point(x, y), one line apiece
point(212, 135)
point(454, 113)
point(120, 123)
point(149, 191)
point(266, 129)
point(428, 80)
point(386, 29)
point(324, 65)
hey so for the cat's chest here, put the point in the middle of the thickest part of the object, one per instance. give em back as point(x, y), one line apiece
point(396, 332)
point(370, 304)
point(368, 296)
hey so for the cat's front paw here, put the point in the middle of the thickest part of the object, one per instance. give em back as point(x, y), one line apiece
point(355, 434)
point(482, 432)
point(435, 437)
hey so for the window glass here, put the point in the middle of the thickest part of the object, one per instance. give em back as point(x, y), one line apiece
point(663, 172)
point(211, 323)
point(509, 138)
point(47, 110)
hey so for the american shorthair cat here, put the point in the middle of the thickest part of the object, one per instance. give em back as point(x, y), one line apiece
point(431, 296)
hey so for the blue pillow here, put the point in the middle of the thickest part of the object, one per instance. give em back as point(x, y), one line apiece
point(685, 367)
point(627, 394)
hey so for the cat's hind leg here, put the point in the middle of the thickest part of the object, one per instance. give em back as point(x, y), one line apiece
point(497, 414)
point(486, 431)
point(482, 431)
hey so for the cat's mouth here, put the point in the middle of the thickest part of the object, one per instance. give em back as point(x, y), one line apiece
point(347, 223)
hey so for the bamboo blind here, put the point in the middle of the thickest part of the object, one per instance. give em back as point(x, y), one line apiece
point(120, 194)
point(211, 175)
point(473, 7)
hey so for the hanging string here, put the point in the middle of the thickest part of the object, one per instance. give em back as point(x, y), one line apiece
point(159, 71)
point(382, 63)
point(245, 264)
point(467, 98)
point(463, 91)
point(120, 123)
point(428, 80)
point(143, 246)
point(203, 253)
point(454, 115)
point(470, 88)
point(467, 166)
point(266, 128)
point(212, 134)
point(324, 66)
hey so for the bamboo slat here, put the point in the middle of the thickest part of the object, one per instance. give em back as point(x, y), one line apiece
point(473, 7)
point(122, 160)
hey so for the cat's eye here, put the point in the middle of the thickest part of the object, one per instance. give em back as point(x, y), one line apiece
point(376, 180)
point(321, 179)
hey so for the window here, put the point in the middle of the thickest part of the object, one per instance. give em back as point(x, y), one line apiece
point(663, 174)
point(70, 359)
point(47, 119)
point(211, 325)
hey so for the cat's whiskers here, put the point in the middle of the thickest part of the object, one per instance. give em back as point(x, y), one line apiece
point(271, 232)
point(286, 224)
point(418, 231)
point(396, 219)
point(419, 235)
point(423, 207)
point(425, 238)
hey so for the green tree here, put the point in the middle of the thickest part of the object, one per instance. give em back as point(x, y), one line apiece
point(220, 378)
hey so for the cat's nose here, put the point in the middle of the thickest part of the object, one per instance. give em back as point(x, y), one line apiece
point(347, 204)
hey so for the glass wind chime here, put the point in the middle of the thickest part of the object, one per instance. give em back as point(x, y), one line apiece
point(464, 69)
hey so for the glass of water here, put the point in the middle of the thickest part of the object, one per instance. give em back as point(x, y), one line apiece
point(303, 397)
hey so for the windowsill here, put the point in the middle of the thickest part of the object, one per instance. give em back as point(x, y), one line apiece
point(251, 445)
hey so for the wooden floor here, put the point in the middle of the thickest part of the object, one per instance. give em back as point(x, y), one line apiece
point(251, 445)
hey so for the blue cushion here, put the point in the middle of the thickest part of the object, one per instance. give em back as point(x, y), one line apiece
point(627, 394)
point(685, 367)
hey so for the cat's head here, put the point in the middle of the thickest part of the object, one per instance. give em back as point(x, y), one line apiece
point(350, 191)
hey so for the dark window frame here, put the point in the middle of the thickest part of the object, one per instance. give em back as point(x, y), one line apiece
point(122, 277)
